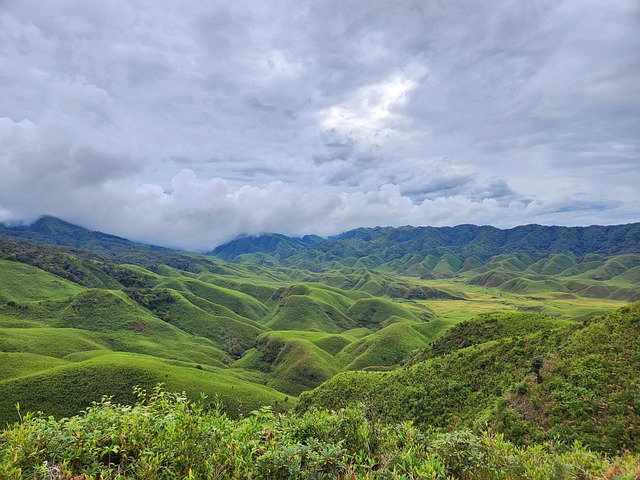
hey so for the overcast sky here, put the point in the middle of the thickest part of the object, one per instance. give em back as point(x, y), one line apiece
point(186, 123)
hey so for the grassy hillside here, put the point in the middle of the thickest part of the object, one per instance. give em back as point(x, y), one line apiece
point(22, 282)
point(383, 349)
point(568, 382)
point(247, 329)
point(64, 388)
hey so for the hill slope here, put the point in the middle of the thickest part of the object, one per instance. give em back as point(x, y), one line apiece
point(577, 381)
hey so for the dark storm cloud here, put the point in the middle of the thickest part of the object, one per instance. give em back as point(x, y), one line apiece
point(186, 124)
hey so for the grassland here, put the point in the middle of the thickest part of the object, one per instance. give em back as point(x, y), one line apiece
point(485, 299)
point(450, 363)
point(253, 334)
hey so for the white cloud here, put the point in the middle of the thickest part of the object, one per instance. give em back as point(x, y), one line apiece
point(370, 114)
point(187, 124)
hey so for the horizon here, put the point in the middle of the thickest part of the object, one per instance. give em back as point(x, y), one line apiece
point(189, 125)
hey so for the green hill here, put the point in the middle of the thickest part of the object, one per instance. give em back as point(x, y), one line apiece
point(568, 383)
point(383, 349)
point(294, 363)
point(163, 317)
point(63, 389)
point(22, 282)
point(301, 312)
point(377, 312)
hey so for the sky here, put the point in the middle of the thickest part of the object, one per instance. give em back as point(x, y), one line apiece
point(185, 124)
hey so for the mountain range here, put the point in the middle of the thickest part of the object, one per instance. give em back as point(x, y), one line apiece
point(388, 247)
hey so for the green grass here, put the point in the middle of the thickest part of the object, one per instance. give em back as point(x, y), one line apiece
point(629, 277)
point(23, 283)
point(356, 333)
point(489, 327)
point(295, 364)
point(229, 333)
point(66, 389)
point(482, 299)
point(448, 265)
point(553, 265)
point(238, 302)
point(290, 329)
point(52, 342)
point(433, 329)
point(330, 343)
point(385, 348)
point(105, 310)
point(587, 389)
point(301, 312)
point(374, 312)
point(19, 364)
point(612, 268)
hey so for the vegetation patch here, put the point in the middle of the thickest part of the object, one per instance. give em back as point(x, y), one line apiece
point(165, 436)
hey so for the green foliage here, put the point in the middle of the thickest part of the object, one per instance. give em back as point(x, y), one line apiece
point(166, 436)
point(487, 328)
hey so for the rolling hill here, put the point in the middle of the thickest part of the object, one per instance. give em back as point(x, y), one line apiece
point(80, 325)
point(439, 326)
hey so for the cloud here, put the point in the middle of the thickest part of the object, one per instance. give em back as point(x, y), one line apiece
point(188, 124)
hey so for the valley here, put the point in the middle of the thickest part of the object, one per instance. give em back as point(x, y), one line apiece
point(445, 342)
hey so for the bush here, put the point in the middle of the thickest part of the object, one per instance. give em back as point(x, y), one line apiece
point(164, 436)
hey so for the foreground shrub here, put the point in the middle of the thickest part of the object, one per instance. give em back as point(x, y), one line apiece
point(165, 436)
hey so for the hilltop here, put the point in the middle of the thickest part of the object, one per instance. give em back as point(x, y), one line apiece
point(54, 231)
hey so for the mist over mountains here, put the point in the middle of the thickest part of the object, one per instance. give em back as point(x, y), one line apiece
point(378, 245)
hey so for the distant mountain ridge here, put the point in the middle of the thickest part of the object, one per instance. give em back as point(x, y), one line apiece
point(376, 244)
point(373, 247)
point(53, 231)
point(49, 242)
